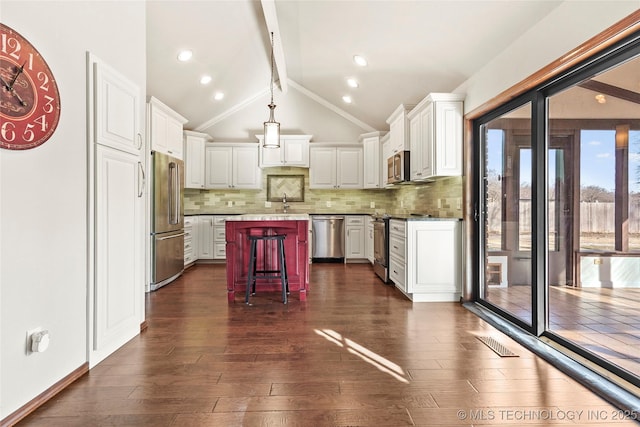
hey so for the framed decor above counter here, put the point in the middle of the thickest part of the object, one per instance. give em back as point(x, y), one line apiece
point(289, 186)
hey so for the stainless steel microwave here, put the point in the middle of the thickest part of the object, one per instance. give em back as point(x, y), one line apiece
point(398, 168)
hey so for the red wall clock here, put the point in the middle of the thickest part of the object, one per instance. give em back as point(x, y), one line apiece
point(29, 98)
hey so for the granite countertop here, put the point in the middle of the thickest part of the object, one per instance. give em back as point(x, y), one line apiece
point(409, 217)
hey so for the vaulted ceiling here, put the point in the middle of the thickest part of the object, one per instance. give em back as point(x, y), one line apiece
point(412, 48)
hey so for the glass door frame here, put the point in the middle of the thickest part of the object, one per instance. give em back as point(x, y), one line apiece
point(538, 212)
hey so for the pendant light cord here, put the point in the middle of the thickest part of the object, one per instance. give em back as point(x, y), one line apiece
point(271, 68)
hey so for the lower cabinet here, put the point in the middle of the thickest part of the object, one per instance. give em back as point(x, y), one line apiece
point(355, 238)
point(190, 240)
point(368, 244)
point(425, 259)
point(208, 239)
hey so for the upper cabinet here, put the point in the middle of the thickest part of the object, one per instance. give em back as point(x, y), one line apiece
point(165, 129)
point(436, 134)
point(372, 148)
point(338, 167)
point(293, 151)
point(399, 129)
point(194, 159)
point(232, 166)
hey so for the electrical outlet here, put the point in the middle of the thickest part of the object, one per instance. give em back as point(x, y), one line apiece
point(402, 203)
point(29, 334)
point(439, 203)
point(372, 205)
point(458, 203)
point(328, 203)
point(267, 204)
point(230, 204)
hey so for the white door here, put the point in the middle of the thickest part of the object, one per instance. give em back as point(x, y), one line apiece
point(193, 162)
point(349, 168)
point(119, 250)
point(116, 201)
point(296, 152)
point(205, 237)
point(218, 161)
point(322, 167)
point(246, 173)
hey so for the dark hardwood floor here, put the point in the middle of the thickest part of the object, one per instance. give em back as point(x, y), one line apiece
point(356, 353)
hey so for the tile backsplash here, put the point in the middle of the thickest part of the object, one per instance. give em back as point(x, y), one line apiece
point(442, 198)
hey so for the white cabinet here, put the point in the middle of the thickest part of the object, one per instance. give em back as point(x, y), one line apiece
point(368, 222)
point(165, 129)
point(372, 148)
point(293, 151)
point(190, 240)
point(399, 129)
point(436, 135)
point(425, 259)
point(386, 153)
point(332, 167)
point(194, 159)
point(117, 194)
point(209, 237)
point(434, 266)
point(232, 166)
point(219, 237)
point(205, 237)
point(355, 237)
point(397, 254)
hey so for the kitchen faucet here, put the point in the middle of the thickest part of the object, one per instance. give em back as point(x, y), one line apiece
point(285, 205)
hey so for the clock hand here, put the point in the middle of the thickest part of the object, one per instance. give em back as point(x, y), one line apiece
point(4, 83)
point(16, 76)
point(20, 100)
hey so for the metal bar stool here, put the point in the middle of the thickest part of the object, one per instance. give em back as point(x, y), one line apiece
point(253, 273)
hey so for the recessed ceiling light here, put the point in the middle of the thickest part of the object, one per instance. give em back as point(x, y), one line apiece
point(205, 80)
point(347, 99)
point(352, 83)
point(218, 96)
point(360, 60)
point(185, 55)
point(601, 98)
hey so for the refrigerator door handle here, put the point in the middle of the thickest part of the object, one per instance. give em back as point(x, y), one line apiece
point(174, 194)
point(173, 236)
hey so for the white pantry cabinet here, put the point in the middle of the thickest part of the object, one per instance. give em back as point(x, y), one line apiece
point(332, 167)
point(194, 158)
point(232, 166)
point(293, 151)
point(436, 135)
point(165, 127)
point(372, 148)
point(117, 199)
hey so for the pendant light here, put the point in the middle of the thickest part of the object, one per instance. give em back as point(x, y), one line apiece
point(271, 127)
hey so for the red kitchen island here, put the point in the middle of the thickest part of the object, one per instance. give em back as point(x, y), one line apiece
point(296, 249)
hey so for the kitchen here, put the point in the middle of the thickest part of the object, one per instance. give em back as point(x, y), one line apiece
point(31, 180)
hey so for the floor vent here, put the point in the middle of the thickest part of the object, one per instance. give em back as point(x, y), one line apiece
point(494, 345)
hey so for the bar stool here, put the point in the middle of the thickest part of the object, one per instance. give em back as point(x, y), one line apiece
point(253, 273)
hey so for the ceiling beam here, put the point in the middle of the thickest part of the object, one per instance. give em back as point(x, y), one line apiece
point(614, 91)
point(271, 19)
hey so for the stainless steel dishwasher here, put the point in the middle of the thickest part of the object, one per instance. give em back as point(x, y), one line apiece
point(328, 238)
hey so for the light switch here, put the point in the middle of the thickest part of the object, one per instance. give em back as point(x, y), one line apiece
point(230, 204)
point(267, 204)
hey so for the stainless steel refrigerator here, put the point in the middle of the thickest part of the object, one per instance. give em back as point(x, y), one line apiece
point(167, 229)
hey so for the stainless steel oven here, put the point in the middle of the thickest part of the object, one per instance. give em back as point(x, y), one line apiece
point(381, 247)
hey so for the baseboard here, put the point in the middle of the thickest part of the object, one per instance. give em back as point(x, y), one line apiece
point(143, 326)
point(45, 396)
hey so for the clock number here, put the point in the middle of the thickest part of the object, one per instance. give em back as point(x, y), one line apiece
point(28, 134)
point(7, 131)
point(42, 121)
point(48, 107)
point(42, 76)
point(10, 46)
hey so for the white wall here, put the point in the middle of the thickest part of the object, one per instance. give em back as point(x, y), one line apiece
point(43, 193)
point(297, 114)
point(565, 28)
